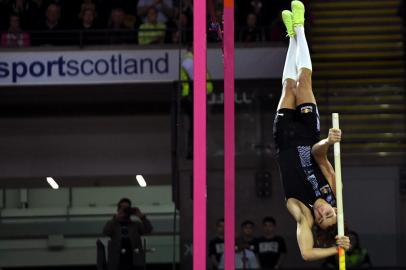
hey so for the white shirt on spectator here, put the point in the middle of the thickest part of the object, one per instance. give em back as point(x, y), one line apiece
point(246, 255)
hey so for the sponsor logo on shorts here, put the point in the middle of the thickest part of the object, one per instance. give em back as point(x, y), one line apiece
point(306, 109)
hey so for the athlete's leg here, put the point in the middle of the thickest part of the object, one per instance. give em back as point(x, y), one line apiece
point(304, 92)
point(288, 99)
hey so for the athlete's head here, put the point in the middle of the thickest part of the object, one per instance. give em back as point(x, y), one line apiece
point(325, 215)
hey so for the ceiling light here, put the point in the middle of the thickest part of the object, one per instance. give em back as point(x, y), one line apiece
point(141, 180)
point(52, 183)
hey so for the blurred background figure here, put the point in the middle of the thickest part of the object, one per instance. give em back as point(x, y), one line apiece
point(120, 31)
point(15, 37)
point(125, 249)
point(356, 257)
point(245, 257)
point(87, 5)
point(251, 32)
point(271, 248)
point(247, 234)
point(50, 28)
point(88, 25)
point(216, 245)
point(186, 76)
point(152, 31)
point(164, 9)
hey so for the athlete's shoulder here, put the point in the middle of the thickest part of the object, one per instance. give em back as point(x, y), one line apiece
point(299, 211)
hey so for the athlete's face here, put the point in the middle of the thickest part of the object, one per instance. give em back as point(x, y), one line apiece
point(325, 215)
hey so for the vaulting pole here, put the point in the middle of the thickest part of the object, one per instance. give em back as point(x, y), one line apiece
point(199, 135)
point(229, 136)
point(339, 193)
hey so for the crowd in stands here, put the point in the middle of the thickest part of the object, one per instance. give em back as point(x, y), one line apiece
point(263, 248)
point(264, 252)
point(26, 23)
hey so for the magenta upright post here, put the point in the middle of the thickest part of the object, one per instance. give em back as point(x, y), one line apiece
point(199, 135)
point(229, 136)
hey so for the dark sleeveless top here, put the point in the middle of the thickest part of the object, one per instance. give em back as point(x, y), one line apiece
point(302, 178)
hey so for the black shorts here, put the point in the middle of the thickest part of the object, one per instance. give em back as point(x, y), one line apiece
point(297, 127)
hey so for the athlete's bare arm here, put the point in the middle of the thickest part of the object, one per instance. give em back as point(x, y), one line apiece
point(305, 236)
point(319, 152)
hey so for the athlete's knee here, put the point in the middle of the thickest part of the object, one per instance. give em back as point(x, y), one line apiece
point(289, 86)
point(305, 78)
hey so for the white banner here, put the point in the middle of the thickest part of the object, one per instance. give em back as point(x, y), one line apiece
point(111, 66)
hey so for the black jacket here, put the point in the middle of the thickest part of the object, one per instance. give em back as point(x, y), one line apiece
point(135, 230)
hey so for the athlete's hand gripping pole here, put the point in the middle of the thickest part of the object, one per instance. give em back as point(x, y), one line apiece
point(339, 191)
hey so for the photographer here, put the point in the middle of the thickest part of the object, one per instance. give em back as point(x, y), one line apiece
point(125, 250)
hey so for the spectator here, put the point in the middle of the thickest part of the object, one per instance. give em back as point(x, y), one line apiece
point(20, 8)
point(186, 76)
point(52, 20)
point(187, 8)
point(88, 19)
point(126, 251)
point(116, 20)
point(120, 32)
point(87, 5)
point(216, 245)
point(152, 31)
point(251, 32)
point(276, 31)
point(356, 257)
point(244, 257)
point(255, 7)
point(164, 9)
point(180, 30)
point(270, 248)
point(36, 14)
point(50, 29)
point(247, 234)
point(15, 37)
point(88, 25)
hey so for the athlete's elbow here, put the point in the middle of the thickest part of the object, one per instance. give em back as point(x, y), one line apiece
point(307, 256)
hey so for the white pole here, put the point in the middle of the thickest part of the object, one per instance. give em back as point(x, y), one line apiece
point(339, 194)
point(339, 184)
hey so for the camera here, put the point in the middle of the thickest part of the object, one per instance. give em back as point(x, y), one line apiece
point(130, 211)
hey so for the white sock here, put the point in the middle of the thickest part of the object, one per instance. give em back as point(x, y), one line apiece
point(290, 69)
point(303, 59)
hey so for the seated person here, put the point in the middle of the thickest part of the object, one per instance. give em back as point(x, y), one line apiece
point(164, 9)
point(86, 5)
point(15, 37)
point(152, 31)
point(251, 32)
point(50, 29)
point(87, 25)
point(120, 32)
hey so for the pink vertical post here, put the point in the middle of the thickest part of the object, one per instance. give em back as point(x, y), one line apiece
point(199, 135)
point(229, 136)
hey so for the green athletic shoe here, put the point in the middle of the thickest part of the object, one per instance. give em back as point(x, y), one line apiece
point(298, 11)
point(287, 18)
